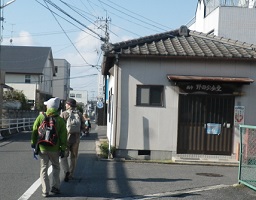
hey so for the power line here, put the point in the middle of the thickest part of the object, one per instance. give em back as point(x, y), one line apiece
point(68, 37)
point(64, 18)
point(71, 7)
point(49, 80)
point(140, 17)
point(61, 10)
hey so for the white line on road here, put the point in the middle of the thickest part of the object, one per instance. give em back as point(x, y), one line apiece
point(175, 193)
point(30, 191)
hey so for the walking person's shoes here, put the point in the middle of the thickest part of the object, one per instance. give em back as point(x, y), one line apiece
point(66, 179)
point(45, 194)
point(55, 190)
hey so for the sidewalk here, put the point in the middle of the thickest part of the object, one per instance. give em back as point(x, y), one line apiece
point(102, 131)
point(102, 137)
point(101, 179)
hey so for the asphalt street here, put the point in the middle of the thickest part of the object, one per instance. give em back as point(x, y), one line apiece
point(98, 179)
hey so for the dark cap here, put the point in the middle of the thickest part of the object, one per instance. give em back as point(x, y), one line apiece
point(71, 102)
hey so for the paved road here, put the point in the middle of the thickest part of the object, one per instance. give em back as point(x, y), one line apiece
point(107, 179)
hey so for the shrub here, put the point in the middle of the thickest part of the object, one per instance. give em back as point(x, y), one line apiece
point(104, 149)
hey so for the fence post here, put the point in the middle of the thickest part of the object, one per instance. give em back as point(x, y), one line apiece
point(10, 126)
point(24, 124)
point(1, 137)
point(17, 124)
point(31, 122)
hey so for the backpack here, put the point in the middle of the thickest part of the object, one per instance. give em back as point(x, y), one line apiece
point(47, 132)
point(73, 122)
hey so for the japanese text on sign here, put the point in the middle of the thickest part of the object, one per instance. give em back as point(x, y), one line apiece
point(203, 87)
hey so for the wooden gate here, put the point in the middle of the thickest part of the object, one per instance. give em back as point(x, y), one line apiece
point(195, 112)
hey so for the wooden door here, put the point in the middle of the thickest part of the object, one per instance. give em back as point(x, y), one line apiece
point(198, 111)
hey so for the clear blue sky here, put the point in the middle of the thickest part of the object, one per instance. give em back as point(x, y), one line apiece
point(28, 23)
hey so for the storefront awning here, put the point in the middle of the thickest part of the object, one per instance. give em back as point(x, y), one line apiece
point(181, 78)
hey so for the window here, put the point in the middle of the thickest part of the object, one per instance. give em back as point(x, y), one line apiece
point(78, 95)
point(27, 79)
point(149, 95)
point(72, 95)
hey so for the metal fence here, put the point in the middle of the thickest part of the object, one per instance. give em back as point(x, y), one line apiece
point(9, 126)
point(247, 165)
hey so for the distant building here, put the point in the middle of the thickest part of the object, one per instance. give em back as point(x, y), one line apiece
point(81, 96)
point(234, 19)
point(61, 82)
point(29, 69)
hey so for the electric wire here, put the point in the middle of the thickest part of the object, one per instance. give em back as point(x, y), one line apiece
point(144, 23)
point(139, 15)
point(65, 19)
point(61, 10)
point(68, 37)
point(68, 78)
point(71, 7)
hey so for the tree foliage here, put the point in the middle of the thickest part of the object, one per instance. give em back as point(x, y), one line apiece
point(15, 95)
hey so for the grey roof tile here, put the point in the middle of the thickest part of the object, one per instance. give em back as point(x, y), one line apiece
point(24, 59)
point(172, 44)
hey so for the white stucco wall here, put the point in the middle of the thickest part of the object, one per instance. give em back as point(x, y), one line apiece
point(155, 128)
point(29, 90)
point(17, 81)
point(20, 78)
point(46, 86)
point(206, 24)
point(236, 23)
point(61, 82)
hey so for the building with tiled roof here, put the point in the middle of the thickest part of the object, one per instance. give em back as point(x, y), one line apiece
point(29, 69)
point(179, 94)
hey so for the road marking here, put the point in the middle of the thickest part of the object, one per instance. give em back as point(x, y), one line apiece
point(30, 191)
point(175, 193)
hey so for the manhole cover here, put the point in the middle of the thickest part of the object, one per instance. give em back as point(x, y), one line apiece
point(209, 174)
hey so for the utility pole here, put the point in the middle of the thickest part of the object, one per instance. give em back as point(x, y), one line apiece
point(2, 18)
point(106, 46)
point(2, 73)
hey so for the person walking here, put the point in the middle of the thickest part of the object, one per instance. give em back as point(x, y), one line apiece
point(87, 125)
point(75, 125)
point(50, 153)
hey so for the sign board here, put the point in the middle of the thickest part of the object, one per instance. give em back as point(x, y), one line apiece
point(213, 128)
point(99, 104)
point(239, 115)
point(208, 88)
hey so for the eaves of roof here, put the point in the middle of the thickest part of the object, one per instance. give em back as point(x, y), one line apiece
point(177, 44)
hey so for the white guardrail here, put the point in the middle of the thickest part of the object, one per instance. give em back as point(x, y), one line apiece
point(12, 125)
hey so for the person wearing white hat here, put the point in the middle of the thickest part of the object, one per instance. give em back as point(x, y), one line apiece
point(51, 154)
